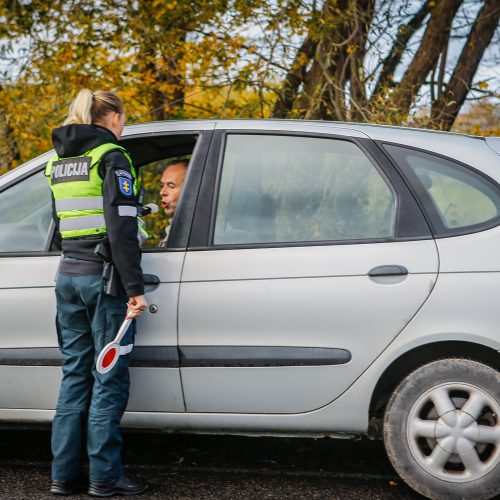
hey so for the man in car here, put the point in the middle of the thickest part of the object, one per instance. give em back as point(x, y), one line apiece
point(171, 182)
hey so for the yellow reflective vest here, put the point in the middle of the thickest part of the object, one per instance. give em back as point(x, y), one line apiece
point(77, 189)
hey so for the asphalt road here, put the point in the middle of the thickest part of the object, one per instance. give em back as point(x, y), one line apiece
point(219, 467)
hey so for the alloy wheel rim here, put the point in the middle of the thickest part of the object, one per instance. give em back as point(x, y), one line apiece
point(453, 431)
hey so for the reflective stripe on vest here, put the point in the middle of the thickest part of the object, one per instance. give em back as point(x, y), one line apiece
point(77, 189)
point(90, 203)
point(82, 223)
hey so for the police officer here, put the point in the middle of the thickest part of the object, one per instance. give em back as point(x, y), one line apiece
point(93, 183)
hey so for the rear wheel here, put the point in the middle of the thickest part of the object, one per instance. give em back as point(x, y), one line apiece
point(442, 430)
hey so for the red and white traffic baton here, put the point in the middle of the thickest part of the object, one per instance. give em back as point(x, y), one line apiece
point(111, 352)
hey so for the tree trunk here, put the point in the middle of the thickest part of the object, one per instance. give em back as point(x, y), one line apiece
point(446, 109)
point(338, 65)
point(323, 96)
point(362, 19)
point(405, 32)
point(161, 50)
point(427, 55)
point(294, 79)
point(9, 149)
point(168, 104)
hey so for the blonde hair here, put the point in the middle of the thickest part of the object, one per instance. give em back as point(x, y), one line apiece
point(90, 107)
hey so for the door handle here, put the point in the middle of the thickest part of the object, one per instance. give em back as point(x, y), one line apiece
point(150, 279)
point(151, 282)
point(388, 271)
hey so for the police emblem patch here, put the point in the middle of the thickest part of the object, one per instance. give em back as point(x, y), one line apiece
point(125, 186)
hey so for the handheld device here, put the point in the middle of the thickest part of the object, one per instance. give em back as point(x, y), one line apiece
point(150, 208)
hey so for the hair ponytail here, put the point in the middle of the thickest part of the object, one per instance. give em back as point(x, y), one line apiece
point(88, 107)
point(79, 110)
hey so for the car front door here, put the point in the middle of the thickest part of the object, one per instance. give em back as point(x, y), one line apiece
point(29, 357)
point(308, 261)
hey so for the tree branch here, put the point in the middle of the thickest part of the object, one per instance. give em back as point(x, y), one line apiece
point(446, 109)
point(294, 78)
point(425, 59)
point(390, 63)
point(363, 17)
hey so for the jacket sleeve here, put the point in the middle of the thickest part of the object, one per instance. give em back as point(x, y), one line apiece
point(120, 214)
point(56, 241)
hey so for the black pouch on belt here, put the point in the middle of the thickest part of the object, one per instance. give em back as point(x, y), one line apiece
point(110, 279)
point(109, 275)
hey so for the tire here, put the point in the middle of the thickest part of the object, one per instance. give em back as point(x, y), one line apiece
point(442, 430)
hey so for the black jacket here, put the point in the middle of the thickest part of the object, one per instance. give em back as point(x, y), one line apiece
point(74, 140)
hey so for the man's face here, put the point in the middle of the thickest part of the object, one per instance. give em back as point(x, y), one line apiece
point(171, 184)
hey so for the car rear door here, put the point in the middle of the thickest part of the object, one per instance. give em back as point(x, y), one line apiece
point(307, 256)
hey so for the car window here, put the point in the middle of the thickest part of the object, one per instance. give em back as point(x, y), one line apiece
point(155, 223)
point(460, 196)
point(291, 189)
point(25, 215)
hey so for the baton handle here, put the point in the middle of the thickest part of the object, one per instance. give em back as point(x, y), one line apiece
point(122, 330)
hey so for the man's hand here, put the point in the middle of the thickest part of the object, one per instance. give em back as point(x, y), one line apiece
point(136, 306)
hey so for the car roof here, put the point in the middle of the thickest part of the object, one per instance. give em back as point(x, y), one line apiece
point(471, 150)
point(284, 124)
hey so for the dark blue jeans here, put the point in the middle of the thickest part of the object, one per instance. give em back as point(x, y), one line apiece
point(86, 321)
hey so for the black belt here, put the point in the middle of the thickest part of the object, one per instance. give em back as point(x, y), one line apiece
point(70, 266)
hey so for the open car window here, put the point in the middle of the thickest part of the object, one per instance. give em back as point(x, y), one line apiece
point(155, 223)
point(150, 156)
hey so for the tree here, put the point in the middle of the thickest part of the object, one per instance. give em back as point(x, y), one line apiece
point(336, 85)
point(150, 52)
point(355, 60)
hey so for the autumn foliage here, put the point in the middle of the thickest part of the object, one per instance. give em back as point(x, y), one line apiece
point(350, 60)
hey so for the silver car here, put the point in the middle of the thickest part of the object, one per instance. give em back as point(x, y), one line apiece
point(319, 279)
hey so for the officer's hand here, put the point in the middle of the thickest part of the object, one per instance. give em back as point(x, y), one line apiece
point(136, 306)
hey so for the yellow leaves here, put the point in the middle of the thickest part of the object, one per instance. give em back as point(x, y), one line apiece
point(148, 79)
point(481, 118)
point(158, 5)
point(303, 59)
